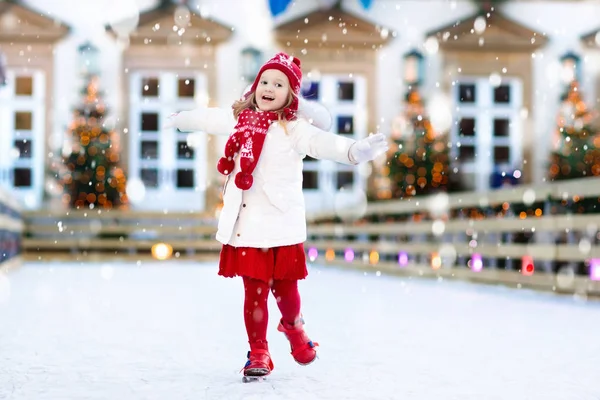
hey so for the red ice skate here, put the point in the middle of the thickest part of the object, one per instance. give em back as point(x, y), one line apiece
point(259, 363)
point(303, 349)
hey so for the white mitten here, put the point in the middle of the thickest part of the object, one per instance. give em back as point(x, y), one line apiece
point(368, 149)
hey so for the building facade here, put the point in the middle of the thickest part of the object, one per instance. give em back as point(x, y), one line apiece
point(499, 73)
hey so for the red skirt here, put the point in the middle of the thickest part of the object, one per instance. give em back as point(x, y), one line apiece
point(276, 263)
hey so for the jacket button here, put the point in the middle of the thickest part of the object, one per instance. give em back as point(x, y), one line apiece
point(238, 235)
point(244, 205)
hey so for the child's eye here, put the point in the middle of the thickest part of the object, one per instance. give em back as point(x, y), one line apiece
point(279, 85)
point(263, 82)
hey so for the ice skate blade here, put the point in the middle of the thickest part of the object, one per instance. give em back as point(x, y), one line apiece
point(249, 379)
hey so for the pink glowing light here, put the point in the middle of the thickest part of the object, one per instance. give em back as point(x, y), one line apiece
point(595, 269)
point(349, 255)
point(313, 253)
point(476, 262)
point(402, 259)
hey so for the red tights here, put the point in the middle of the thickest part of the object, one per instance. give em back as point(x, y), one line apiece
point(256, 313)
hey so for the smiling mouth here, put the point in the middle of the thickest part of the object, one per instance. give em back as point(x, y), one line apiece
point(268, 98)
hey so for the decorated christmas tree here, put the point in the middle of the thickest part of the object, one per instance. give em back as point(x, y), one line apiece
point(576, 151)
point(419, 162)
point(92, 177)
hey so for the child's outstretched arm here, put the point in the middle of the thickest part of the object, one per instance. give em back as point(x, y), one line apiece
point(216, 121)
point(220, 121)
point(324, 145)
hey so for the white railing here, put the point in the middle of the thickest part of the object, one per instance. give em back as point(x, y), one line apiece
point(11, 230)
point(497, 241)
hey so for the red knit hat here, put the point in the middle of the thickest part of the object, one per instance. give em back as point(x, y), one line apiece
point(290, 66)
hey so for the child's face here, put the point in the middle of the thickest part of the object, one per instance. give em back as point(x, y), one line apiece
point(272, 91)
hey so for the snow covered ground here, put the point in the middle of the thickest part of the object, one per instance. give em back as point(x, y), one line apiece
point(174, 330)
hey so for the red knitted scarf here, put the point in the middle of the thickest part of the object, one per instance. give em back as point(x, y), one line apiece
point(248, 139)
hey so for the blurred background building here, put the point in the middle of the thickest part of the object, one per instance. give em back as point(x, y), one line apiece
point(473, 94)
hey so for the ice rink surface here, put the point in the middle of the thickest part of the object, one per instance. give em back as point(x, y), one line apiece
point(174, 330)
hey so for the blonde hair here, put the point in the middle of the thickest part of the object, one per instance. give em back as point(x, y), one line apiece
point(250, 102)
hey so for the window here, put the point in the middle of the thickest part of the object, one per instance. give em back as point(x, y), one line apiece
point(346, 98)
point(185, 178)
point(150, 87)
point(186, 87)
point(466, 153)
point(501, 127)
point(22, 177)
point(501, 154)
point(24, 147)
point(22, 132)
point(345, 179)
point(346, 91)
point(24, 86)
point(184, 151)
point(149, 177)
point(310, 90)
point(502, 94)
point(149, 150)
point(310, 180)
point(23, 121)
point(149, 122)
point(488, 132)
point(161, 158)
point(466, 93)
point(467, 127)
point(345, 125)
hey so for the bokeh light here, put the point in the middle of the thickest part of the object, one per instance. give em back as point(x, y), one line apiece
point(476, 262)
point(595, 269)
point(349, 255)
point(527, 266)
point(330, 255)
point(436, 261)
point(480, 24)
point(136, 191)
point(313, 253)
point(162, 251)
point(374, 257)
point(402, 259)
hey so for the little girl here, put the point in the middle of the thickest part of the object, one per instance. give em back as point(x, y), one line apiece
point(262, 225)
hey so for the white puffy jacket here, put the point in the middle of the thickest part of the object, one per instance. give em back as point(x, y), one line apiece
point(271, 213)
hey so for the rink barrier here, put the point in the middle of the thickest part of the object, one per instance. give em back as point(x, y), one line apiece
point(556, 251)
point(115, 232)
point(11, 230)
point(560, 250)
